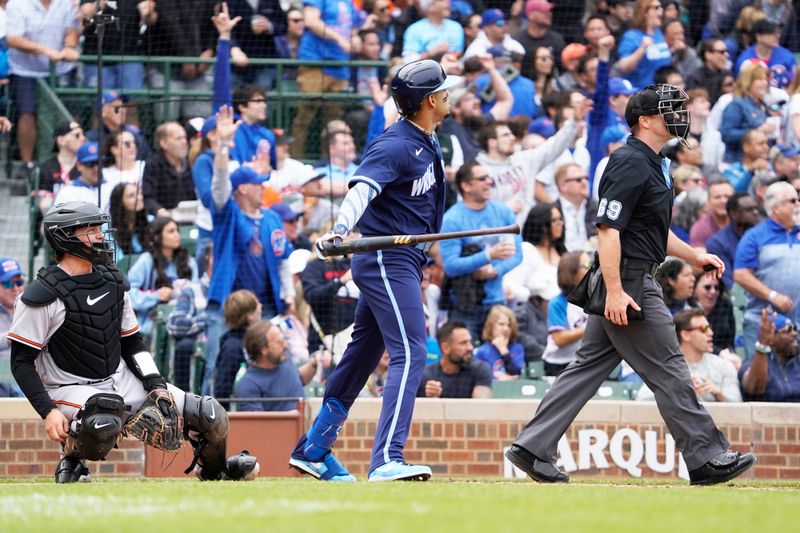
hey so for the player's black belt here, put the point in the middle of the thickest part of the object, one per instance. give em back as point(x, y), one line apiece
point(639, 265)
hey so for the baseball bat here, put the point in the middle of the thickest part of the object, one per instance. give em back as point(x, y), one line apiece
point(370, 244)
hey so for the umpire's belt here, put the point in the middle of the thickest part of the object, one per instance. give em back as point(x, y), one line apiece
point(638, 265)
point(424, 246)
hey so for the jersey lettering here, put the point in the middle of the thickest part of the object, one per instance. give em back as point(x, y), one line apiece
point(421, 185)
point(601, 209)
point(614, 209)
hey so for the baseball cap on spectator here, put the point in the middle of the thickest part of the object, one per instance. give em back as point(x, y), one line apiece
point(642, 104)
point(9, 269)
point(542, 126)
point(499, 51)
point(310, 175)
point(209, 125)
point(617, 86)
point(613, 134)
point(243, 175)
point(782, 150)
point(781, 321)
point(571, 53)
point(285, 212)
point(63, 128)
point(763, 26)
point(88, 153)
point(298, 260)
point(492, 16)
point(112, 96)
point(541, 6)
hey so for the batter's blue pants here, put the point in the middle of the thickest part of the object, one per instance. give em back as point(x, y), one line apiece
point(388, 316)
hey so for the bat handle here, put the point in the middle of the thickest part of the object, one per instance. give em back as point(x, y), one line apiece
point(330, 248)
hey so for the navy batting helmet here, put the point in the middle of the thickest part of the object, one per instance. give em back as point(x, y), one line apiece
point(416, 80)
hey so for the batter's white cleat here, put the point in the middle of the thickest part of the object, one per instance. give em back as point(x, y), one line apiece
point(400, 471)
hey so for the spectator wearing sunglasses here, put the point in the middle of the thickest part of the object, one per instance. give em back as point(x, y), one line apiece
point(573, 200)
point(713, 377)
point(713, 71)
point(713, 297)
point(86, 187)
point(766, 262)
point(773, 375)
point(494, 32)
point(11, 285)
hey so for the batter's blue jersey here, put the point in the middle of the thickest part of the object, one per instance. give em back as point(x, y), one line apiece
point(406, 169)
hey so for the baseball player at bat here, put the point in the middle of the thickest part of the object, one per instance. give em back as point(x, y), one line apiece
point(77, 354)
point(399, 189)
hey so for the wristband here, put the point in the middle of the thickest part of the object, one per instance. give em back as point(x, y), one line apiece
point(772, 295)
point(340, 229)
point(763, 348)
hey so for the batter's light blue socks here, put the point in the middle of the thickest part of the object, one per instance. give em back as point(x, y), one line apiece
point(325, 429)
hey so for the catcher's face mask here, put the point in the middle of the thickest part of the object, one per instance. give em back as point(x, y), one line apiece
point(672, 108)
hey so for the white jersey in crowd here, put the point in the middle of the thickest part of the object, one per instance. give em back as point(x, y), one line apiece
point(714, 368)
point(514, 177)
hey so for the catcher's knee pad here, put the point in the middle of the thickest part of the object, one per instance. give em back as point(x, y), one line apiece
point(205, 415)
point(98, 427)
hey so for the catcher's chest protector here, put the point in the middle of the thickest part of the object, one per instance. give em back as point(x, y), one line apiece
point(88, 342)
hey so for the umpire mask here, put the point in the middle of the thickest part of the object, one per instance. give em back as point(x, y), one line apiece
point(672, 108)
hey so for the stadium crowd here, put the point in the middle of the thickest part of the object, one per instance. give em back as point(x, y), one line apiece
point(530, 132)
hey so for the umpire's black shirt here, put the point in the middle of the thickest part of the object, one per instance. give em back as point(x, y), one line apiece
point(636, 199)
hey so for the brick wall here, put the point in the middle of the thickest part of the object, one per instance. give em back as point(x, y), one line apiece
point(467, 438)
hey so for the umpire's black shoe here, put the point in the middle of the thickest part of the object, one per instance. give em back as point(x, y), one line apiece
point(722, 468)
point(538, 470)
point(72, 469)
point(241, 467)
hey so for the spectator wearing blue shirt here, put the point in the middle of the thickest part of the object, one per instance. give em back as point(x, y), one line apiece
point(251, 135)
point(643, 50)
point(495, 255)
point(328, 37)
point(743, 215)
point(505, 356)
point(508, 64)
point(565, 321)
point(773, 375)
point(766, 262)
point(746, 111)
point(753, 157)
point(434, 35)
point(271, 373)
point(250, 244)
point(767, 50)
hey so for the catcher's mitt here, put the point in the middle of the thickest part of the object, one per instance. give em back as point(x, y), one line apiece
point(157, 422)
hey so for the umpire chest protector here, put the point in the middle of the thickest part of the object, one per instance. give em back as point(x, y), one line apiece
point(88, 342)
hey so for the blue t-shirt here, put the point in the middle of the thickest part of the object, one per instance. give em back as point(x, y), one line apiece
point(283, 381)
point(252, 265)
point(524, 92)
point(773, 254)
point(783, 381)
point(488, 353)
point(781, 64)
point(423, 36)
point(460, 218)
point(339, 16)
point(405, 168)
point(655, 57)
point(247, 140)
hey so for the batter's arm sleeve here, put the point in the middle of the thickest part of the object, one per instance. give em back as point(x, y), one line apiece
point(23, 368)
point(355, 203)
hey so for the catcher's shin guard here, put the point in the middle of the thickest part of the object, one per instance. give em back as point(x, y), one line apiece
point(206, 428)
point(97, 427)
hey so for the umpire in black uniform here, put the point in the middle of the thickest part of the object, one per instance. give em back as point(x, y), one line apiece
point(636, 195)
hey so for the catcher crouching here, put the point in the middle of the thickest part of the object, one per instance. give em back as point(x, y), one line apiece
point(77, 354)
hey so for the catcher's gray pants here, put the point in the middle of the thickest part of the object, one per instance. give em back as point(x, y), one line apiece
point(651, 348)
point(70, 398)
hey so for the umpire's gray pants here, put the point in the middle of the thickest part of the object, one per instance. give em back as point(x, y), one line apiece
point(651, 348)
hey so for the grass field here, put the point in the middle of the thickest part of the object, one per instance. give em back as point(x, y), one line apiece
point(615, 505)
